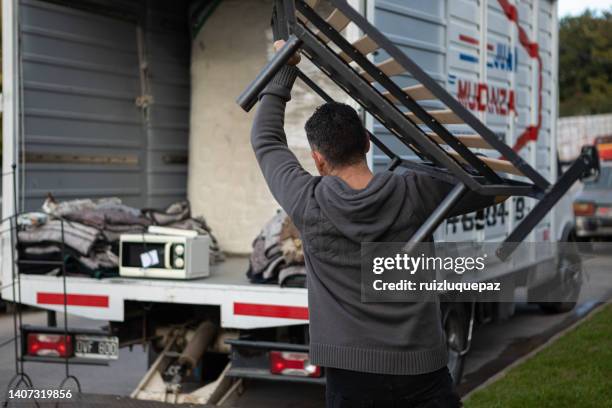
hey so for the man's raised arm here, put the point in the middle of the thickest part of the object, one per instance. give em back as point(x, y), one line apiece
point(286, 178)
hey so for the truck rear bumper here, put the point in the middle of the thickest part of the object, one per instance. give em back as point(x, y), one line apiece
point(252, 359)
point(593, 227)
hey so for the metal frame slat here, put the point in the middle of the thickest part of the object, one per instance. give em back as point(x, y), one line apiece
point(513, 187)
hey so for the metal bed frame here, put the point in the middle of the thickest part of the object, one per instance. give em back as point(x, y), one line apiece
point(371, 86)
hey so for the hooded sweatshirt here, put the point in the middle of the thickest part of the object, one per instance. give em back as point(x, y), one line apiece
point(333, 220)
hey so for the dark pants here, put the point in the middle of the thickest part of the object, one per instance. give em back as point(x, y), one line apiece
point(351, 389)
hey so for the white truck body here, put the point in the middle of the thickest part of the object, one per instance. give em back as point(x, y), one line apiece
point(497, 56)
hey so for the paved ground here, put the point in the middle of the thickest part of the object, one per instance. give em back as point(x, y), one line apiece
point(494, 347)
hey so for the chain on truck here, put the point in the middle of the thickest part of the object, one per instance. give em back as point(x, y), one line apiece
point(482, 75)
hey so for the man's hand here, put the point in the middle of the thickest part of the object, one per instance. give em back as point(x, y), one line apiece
point(294, 60)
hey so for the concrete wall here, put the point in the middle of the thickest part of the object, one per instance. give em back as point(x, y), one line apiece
point(225, 184)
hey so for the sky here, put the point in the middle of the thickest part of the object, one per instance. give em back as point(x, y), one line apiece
point(575, 7)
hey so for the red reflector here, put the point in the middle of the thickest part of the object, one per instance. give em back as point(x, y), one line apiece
point(605, 151)
point(49, 345)
point(292, 363)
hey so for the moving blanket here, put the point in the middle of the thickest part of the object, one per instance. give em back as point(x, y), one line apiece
point(91, 233)
point(277, 255)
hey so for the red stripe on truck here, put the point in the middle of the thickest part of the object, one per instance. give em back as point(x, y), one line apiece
point(49, 298)
point(262, 310)
point(468, 39)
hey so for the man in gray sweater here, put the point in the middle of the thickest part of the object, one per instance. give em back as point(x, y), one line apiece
point(375, 354)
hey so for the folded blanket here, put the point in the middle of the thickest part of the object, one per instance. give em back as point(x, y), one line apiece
point(78, 236)
point(278, 256)
point(173, 213)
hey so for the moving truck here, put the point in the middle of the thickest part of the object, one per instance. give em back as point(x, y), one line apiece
point(136, 100)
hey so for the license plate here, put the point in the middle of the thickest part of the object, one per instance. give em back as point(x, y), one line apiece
point(97, 347)
point(604, 211)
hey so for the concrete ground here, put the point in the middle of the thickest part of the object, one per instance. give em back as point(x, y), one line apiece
point(494, 347)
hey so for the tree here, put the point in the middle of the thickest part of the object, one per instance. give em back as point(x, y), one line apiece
point(585, 64)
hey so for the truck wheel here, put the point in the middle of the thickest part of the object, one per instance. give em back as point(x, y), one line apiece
point(570, 281)
point(455, 324)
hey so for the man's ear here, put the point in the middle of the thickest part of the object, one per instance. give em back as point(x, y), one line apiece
point(319, 162)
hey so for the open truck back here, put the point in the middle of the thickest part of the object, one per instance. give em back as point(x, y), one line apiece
point(96, 102)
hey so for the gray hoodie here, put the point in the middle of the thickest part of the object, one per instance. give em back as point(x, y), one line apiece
point(334, 219)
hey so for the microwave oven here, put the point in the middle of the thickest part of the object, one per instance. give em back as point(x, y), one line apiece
point(164, 256)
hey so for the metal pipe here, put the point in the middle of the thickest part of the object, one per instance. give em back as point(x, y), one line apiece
point(248, 97)
point(436, 218)
point(202, 339)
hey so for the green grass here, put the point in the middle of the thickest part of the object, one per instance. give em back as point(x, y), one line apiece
point(575, 371)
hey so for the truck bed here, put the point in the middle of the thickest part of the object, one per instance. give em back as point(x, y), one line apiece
point(243, 304)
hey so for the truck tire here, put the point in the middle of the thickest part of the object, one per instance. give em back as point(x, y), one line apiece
point(455, 324)
point(570, 283)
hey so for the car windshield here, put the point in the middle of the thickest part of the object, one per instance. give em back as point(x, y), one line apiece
point(603, 182)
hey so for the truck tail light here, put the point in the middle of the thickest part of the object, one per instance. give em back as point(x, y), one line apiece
point(292, 363)
point(584, 209)
point(605, 151)
point(49, 345)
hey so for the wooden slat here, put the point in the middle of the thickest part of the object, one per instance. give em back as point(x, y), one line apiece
point(474, 141)
point(312, 3)
point(335, 19)
point(443, 116)
point(364, 45)
point(503, 166)
point(416, 92)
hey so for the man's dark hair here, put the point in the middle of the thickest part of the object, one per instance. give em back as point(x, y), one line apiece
point(335, 131)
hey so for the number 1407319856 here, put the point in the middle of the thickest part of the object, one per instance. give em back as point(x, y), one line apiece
point(39, 394)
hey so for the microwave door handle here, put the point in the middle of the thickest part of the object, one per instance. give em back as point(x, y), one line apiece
point(167, 248)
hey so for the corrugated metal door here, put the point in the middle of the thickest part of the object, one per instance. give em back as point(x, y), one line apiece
point(167, 62)
point(88, 132)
